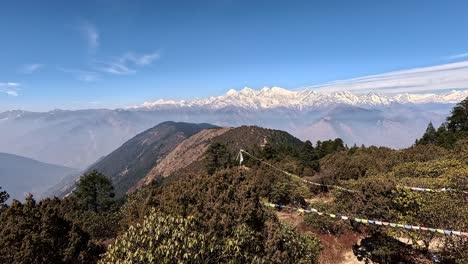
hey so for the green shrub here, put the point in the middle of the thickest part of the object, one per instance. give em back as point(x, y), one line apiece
point(38, 233)
point(171, 239)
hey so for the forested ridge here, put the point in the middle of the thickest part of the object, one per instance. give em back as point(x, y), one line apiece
point(266, 208)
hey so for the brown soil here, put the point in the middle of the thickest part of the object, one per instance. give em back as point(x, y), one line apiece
point(336, 250)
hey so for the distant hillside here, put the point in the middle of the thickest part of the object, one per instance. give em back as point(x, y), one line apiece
point(135, 158)
point(20, 176)
point(78, 138)
point(189, 155)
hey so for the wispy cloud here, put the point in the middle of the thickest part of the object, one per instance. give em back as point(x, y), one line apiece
point(91, 35)
point(88, 77)
point(30, 68)
point(82, 75)
point(141, 60)
point(9, 88)
point(9, 84)
point(11, 92)
point(440, 77)
point(459, 56)
point(114, 67)
point(126, 64)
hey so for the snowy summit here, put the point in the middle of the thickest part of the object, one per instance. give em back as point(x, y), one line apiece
point(277, 97)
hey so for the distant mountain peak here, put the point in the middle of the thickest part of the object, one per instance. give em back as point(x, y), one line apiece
point(277, 97)
point(247, 90)
point(231, 92)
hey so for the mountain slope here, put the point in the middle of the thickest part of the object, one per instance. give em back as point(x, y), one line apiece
point(133, 160)
point(20, 176)
point(189, 155)
point(187, 152)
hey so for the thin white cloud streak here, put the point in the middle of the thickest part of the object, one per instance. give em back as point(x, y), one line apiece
point(114, 67)
point(9, 88)
point(459, 56)
point(88, 77)
point(9, 84)
point(141, 60)
point(440, 77)
point(91, 34)
point(127, 64)
point(11, 93)
point(31, 68)
point(82, 75)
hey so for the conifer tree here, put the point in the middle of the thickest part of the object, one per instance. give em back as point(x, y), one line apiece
point(94, 191)
point(217, 158)
point(309, 156)
point(430, 136)
point(3, 197)
point(458, 121)
point(269, 152)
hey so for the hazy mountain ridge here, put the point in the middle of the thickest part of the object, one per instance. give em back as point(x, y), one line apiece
point(126, 165)
point(20, 175)
point(72, 138)
point(79, 138)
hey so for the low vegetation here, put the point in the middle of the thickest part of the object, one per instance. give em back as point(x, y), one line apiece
point(217, 214)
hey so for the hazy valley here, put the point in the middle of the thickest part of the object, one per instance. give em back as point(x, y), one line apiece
point(79, 138)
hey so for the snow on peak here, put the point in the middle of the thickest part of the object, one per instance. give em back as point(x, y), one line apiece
point(231, 92)
point(279, 90)
point(247, 90)
point(277, 97)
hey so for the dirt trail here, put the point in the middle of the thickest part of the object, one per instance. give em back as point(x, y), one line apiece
point(337, 250)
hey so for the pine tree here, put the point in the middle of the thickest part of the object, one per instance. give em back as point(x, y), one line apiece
point(269, 152)
point(217, 157)
point(338, 145)
point(430, 136)
point(449, 133)
point(94, 191)
point(458, 121)
point(3, 197)
point(309, 156)
point(329, 146)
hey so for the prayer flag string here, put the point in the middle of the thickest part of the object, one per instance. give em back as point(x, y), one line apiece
point(241, 159)
point(369, 221)
point(293, 175)
point(433, 190)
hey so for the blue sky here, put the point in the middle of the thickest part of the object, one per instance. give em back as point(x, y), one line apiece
point(93, 54)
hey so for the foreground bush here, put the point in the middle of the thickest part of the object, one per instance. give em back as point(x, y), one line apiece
point(212, 219)
point(159, 239)
point(171, 239)
point(38, 233)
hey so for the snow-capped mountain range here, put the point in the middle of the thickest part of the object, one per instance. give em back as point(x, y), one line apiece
point(78, 138)
point(276, 97)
